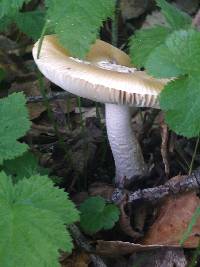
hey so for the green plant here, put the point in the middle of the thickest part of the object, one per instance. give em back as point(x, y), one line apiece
point(40, 212)
point(34, 217)
point(76, 22)
point(96, 215)
point(34, 213)
point(32, 202)
point(13, 113)
point(173, 52)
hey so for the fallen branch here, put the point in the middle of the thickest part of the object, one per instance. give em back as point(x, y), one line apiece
point(155, 194)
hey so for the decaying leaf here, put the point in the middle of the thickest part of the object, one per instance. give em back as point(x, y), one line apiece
point(174, 217)
point(134, 8)
point(31, 88)
point(117, 248)
point(77, 259)
point(101, 189)
point(164, 257)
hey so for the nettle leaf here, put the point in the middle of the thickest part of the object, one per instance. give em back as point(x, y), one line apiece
point(179, 55)
point(184, 46)
point(11, 6)
point(23, 167)
point(180, 100)
point(31, 23)
point(161, 64)
point(176, 18)
point(5, 23)
point(14, 124)
point(32, 229)
point(77, 22)
point(97, 215)
point(145, 41)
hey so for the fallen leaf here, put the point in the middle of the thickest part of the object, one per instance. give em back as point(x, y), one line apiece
point(117, 248)
point(174, 217)
point(163, 257)
point(75, 260)
point(134, 8)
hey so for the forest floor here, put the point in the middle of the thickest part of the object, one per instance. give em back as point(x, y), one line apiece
point(69, 137)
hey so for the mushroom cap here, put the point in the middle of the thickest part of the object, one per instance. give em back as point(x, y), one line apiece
point(105, 76)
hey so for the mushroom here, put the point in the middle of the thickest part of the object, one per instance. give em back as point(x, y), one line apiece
point(105, 76)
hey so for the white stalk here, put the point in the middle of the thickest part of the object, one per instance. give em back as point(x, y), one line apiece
point(126, 150)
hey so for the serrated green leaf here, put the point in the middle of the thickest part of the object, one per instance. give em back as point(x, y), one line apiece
point(5, 23)
point(110, 216)
point(176, 18)
point(32, 231)
point(23, 167)
point(184, 46)
point(179, 55)
point(180, 100)
point(10, 7)
point(145, 41)
point(161, 64)
point(47, 197)
point(77, 22)
point(14, 124)
point(97, 215)
point(31, 23)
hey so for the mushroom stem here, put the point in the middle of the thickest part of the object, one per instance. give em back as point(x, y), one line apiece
point(127, 153)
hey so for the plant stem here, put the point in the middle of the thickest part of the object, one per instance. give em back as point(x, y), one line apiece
point(193, 156)
point(115, 24)
point(42, 38)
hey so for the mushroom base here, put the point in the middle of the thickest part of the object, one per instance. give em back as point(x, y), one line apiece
point(126, 150)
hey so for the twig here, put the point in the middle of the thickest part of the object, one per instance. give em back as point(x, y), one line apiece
point(155, 194)
point(193, 156)
point(164, 147)
point(57, 95)
point(84, 244)
point(52, 96)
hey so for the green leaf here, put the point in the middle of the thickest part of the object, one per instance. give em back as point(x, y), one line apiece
point(179, 55)
point(145, 41)
point(14, 124)
point(31, 23)
point(184, 46)
point(96, 215)
point(23, 167)
point(5, 23)
point(176, 18)
point(32, 230)
point(10, 7)
point(161, 64)
point(77, 22)
point(180, 100)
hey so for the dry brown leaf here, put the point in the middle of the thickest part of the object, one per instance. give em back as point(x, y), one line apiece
point(163, 257)
point(35, 110)
point(174, 216)
point(62, 104)
point(154, 19)
point(76, 260)
point(101, 189)
point(117, 248)
point(31, 88)
point(134, 8)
